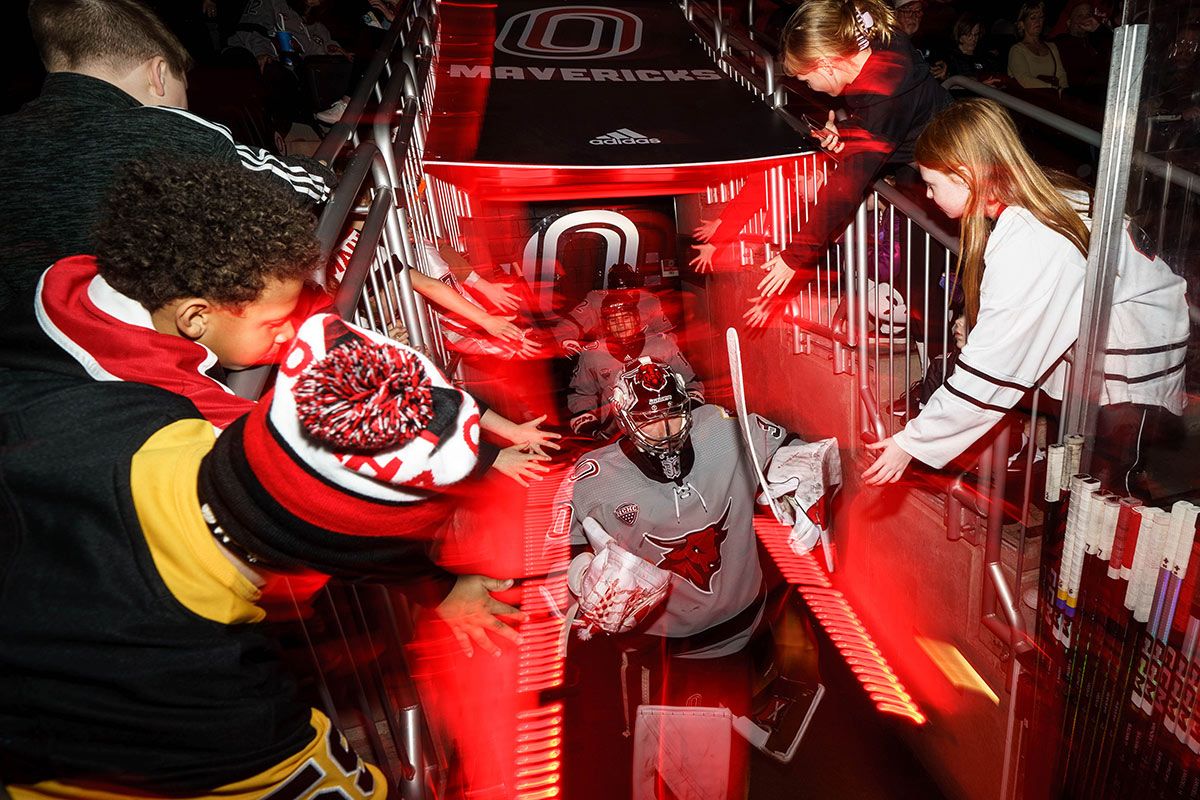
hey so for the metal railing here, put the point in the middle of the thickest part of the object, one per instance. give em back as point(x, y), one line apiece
point(377, 148)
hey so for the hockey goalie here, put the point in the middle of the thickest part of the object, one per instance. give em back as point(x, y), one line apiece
point(669, 571)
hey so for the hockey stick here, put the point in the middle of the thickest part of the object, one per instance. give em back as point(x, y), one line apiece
point(734, 346)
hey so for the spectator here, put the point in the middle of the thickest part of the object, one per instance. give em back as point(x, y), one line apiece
point(1085, 46)
point(115, 92)
point(139, 667)
point(909, 14)
point(1025, 238)
point(854, 52)
point(307, 72)
point(968, 57)
point(178, 308)
point(1032, 62)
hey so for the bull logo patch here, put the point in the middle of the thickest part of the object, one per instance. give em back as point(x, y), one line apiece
point(695, 556)
point(627, 513)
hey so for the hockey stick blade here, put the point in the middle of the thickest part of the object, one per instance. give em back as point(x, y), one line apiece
point(734, 346)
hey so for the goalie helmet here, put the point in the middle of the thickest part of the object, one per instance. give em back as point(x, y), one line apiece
point(650, 392)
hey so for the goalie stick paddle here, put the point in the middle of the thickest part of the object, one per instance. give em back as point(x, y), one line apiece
point(734, 345)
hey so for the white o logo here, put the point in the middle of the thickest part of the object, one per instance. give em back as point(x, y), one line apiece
point(571, 33)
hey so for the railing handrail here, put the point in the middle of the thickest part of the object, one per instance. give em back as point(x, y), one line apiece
point(343, 130)
point(1186, 180)
point(342, 203)
point(350, 290)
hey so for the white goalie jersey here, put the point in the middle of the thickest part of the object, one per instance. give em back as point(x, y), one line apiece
point(698, 528)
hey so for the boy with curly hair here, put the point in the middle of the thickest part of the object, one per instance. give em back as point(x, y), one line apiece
point(199, 268)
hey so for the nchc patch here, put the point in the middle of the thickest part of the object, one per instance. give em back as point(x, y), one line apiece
point(627, 513)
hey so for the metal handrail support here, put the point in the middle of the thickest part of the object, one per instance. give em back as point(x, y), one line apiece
point(1007, 624)
point(344, 129)
point(1106, 247)
point(400, 86)
point(839, 335)
point(341, 205)
point(856, 284)
point(716, 37)
point(350, 290)
point(934, 226)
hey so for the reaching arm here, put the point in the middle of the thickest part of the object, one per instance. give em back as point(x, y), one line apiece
point(1028, 318)
point(450, 300)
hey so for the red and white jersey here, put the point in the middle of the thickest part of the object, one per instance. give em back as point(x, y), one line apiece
point(698, 527)
point(590, 399)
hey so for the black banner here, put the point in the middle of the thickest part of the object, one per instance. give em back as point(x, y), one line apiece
point(618, 85)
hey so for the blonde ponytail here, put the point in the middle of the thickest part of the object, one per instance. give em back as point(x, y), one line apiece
point(828, 28)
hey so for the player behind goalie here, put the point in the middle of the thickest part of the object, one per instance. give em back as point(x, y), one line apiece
point(667, 510)
point(602, 362)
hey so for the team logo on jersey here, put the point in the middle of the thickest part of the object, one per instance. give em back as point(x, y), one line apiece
point(627, 513)
point(585, 469)
point(773, 430)
point(695, 556)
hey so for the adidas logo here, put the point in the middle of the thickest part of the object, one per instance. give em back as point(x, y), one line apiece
point(624, 136)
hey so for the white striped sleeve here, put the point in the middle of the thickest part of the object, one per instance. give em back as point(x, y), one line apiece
point(1029, 312)
point(258, 159)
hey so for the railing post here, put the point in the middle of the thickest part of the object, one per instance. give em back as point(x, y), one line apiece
point(1010, 627)
point(1108, 231)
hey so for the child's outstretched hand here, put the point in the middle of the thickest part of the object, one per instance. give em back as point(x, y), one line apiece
point(503, 328)
point(529, 435)
point(472, 613)
point(706, 229)
point(889, 465)
point(520, 463)
point(499, 295)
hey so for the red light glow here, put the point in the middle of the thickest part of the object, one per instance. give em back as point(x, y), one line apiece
point(842, 625)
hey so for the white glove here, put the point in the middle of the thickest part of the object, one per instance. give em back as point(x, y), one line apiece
point(616, 589)
point(803, 478)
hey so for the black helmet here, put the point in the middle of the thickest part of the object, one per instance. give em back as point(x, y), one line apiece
point(651, 391)
point(623, 276)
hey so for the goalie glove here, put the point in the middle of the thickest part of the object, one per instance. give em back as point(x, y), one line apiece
point(616, 589)
point(803, 478)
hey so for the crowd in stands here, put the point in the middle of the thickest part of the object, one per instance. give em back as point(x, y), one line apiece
point(1055, 54)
